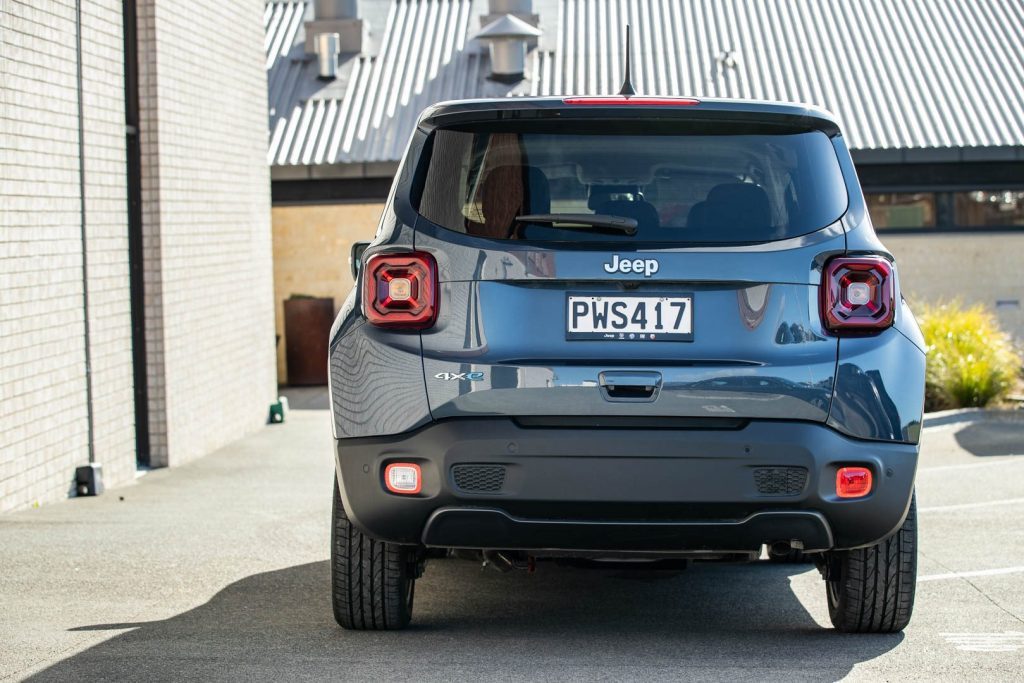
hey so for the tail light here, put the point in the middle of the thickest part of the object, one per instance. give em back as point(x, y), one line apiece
point(853, 482)
point(400, 290)
point(857, 294)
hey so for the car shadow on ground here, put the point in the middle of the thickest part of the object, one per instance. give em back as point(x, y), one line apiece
point(992, 437)
point(733, 622)
point(997, 436)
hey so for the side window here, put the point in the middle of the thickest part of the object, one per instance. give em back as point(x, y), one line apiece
point(443, 196)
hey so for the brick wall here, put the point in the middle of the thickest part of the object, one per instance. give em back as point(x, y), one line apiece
point(207, 241)
point(207, 237)
point(43, 423)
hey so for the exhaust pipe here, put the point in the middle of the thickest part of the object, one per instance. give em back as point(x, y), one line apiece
point(505, 561)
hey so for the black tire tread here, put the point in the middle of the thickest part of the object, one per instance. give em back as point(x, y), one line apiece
point(876, 584)
point(370, 579)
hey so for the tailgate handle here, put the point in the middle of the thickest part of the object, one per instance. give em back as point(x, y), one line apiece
point(627, 386)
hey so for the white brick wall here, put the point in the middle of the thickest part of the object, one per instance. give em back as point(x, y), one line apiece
point(974, 268)
point(206, 215)
point(206, 204)
point(106, 221)
point(43, 427)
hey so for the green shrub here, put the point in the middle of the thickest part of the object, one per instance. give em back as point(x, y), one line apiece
point(971, 361)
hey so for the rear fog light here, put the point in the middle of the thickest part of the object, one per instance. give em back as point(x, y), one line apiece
point(853, 482)
point(404, 478)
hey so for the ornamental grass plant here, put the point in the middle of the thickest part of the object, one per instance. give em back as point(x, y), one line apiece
point(972, 362)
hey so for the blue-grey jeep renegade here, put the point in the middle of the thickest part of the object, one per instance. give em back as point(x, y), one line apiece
point(612, 329)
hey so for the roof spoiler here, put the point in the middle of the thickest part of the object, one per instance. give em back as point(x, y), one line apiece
point(795, 116)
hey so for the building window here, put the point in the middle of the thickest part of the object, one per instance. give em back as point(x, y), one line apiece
point(902, 209)
point(989, 208)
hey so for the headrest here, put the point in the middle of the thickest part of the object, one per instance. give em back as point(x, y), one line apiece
point(741, 209)
point(538, 191)
point(752, 197)
point(644, 213)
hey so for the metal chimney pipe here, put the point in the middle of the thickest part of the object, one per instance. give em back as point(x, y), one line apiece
point(508, 60)
point(510, 6)
point(336, 9)
point(328, 45)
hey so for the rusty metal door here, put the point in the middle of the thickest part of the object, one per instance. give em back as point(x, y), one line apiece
point(307, 326)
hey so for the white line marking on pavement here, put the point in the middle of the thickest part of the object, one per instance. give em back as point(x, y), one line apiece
point(964, 575)
point(970, 465)
point(1008, 641)
point(967, 506)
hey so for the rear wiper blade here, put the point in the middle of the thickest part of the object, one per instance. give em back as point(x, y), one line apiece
point(595, 222)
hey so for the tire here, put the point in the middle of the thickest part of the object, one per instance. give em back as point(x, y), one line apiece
point(371, 581)
point(871, 590)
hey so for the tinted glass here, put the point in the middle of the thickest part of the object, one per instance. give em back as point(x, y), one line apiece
point(989, 207)
point(679, 188)
point(902, 209)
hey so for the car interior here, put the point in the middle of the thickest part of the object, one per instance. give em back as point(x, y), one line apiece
point(674, 188)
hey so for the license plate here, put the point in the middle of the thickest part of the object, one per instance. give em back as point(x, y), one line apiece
point(629, 318)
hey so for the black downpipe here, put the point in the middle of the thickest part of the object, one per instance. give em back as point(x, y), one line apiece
point(85, 245)
point(135, 263)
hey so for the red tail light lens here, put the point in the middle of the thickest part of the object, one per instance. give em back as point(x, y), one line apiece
point(618, 100)
point(853, 482)
point(400, 290)
point(857, 294)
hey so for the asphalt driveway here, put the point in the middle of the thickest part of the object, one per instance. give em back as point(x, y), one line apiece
point(217, 570)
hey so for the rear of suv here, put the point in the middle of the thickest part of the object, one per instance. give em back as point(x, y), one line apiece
point(626, 328)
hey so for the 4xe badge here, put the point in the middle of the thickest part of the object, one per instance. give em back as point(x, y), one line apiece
point(647, 266)
point(468, 376)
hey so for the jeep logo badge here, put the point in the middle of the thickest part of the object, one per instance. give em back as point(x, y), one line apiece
point(638, 265)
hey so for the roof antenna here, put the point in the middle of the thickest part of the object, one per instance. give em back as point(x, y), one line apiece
point(627, 88)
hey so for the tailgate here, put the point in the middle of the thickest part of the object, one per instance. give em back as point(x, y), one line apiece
point(756, 346)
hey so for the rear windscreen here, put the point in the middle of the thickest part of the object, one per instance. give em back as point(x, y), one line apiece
point(675, 187)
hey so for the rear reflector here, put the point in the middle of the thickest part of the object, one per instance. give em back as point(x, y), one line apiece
point(619, 100)
point(403, 478)
point(853, 482)
point(857, 294)
point(400, 290)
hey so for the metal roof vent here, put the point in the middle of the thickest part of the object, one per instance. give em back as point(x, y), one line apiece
point(510, 6)
point(336, 9)
point(338, 17)
point(728, 59)
point(328, 45)
point(506, 37)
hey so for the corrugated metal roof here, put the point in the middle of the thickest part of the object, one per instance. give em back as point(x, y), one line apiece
point(281, 23)
point(899, 74)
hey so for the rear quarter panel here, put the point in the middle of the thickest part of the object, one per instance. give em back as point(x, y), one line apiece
point(376, 375)
point(879, 393)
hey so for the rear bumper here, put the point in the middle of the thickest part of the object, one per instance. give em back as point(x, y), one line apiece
point(483, 528)
point(655, 490)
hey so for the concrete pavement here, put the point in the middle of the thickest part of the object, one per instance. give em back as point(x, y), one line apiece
point(217, 570)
